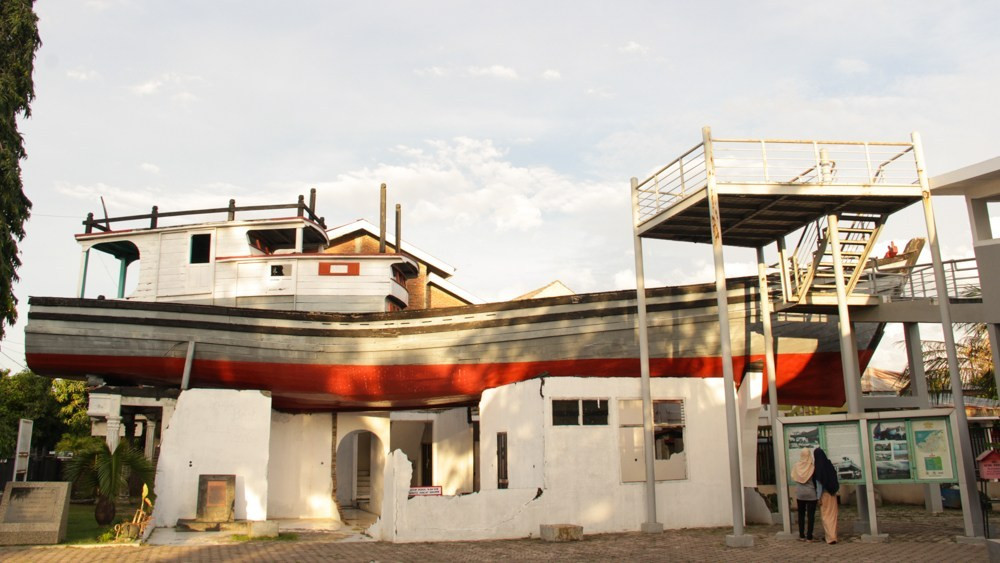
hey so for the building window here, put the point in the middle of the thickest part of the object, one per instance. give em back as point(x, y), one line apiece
point(669, 456)
point(577, 412)
point(668, 428)
point(201, 248)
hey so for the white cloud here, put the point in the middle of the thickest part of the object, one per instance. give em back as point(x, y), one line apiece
point(154, 85)
point(599, 93)
point(147, 87)
point(495, 71)
point(851, 66)
point(184, 97)
point(432, 71)
point(148, 167)
point(633, 48)
point(82, 74)
point(551, 74)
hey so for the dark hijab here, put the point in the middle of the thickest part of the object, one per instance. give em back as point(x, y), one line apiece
point(825, 473)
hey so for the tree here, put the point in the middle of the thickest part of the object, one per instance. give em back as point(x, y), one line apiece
point(18, 42)
point(107, 474)
point(26, 395)
point(975, 363)
point(73, 401)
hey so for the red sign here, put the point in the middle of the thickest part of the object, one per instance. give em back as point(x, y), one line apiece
point(339, 268)
point(989, 464)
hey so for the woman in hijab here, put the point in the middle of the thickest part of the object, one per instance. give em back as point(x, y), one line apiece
point(805, 494)
point(827, 485)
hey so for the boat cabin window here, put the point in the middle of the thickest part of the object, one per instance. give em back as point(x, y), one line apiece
point(392, 305)
point(280, 270)
point(577, 412)
point(201, 248)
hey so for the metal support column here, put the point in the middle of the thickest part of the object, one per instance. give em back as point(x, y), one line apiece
point(650, 525)
point(849, 364)
point(991, 332)
point(971, 510)
point(780, 479)
point(918, 382)
point(848, 357)
point(82, 282)
point(738, 538)
point(786, 290)
point(188, 360)
point(122, 272)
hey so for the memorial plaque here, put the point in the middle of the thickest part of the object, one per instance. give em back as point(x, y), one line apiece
point(216, 498)
point(34, 513)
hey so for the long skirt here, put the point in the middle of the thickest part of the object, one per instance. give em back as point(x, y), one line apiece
point(829, 508)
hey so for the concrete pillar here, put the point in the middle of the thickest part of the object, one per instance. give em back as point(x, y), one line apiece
point(114, 425)
point(150, 433)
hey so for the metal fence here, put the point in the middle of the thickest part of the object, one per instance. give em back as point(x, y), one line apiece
point(765, 456)
point(777, 161)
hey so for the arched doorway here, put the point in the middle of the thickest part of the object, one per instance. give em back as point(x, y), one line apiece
point(360, 462)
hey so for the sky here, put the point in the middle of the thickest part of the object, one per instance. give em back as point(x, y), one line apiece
point(507, 131)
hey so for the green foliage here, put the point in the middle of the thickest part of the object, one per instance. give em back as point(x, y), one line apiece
point(73, 399)
point(18, 42)
point(975, 363)
point(107, 472)
point(26, 395)
point(75, 443)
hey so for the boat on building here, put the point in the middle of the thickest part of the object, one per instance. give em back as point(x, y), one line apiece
point(311, 370)
point(323, 320)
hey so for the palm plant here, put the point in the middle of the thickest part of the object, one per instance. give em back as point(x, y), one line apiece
point(975, 359)
point(106, 474)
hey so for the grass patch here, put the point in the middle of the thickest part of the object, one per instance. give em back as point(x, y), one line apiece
point(81, 528)
point(282, 536)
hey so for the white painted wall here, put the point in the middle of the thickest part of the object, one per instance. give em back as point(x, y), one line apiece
point(452, 451)
point(576, 469)
point(214, 431)
point(407, 436)
point(300, 484)
point(516, 409)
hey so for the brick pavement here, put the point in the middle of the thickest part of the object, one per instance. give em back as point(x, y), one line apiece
point(914, 536)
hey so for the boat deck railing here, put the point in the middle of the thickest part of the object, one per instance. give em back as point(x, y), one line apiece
point(961, 281)
point(777, 162)
point(916, 282)
point(302, 209)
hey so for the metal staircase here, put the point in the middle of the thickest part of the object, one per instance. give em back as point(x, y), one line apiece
point(814, 274)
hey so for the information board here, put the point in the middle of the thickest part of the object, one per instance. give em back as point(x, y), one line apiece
point(912, 450)
point(841, 442)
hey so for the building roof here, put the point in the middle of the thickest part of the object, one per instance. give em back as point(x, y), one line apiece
point(881, 381)
point(362, 225)
point(976, 180)
point(434, 279)
point(554, 289)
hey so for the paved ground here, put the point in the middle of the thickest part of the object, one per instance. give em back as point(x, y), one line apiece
point(914, 536)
